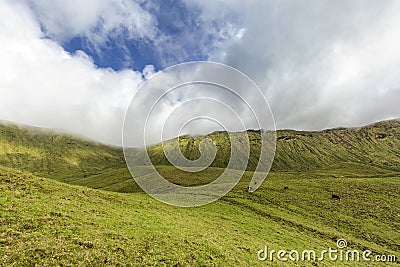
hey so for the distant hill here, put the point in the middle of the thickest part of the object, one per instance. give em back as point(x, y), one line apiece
point(369, 150)
point(53, 155)
point(376, 145)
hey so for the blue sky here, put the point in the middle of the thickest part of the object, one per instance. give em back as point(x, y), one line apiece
point(184, 39)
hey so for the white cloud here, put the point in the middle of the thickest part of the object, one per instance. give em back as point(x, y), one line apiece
point(148, 71)
point(45, 86)
point(95, 19)
point(321, 63)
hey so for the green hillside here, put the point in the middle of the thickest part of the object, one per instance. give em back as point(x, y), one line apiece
point(377, 146)
point(369, 150)
point(52, 155)
point(45, 222)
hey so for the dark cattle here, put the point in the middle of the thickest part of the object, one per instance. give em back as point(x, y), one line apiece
point(335, 197)
point(286, 188)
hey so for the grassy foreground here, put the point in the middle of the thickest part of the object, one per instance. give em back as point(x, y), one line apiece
point(48, 223)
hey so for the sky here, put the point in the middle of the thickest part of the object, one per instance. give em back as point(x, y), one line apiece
point(76, 65)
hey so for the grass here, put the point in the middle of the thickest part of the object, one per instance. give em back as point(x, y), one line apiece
point(46, 222)
point(98, 216)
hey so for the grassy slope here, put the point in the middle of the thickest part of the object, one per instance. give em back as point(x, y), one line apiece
point(376, 145)
point(368, 151)
point(54, 155)
point(46, 222)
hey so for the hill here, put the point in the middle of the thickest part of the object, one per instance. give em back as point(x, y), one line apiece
point(368, 151)
point(52, 155)
point(374, 146)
